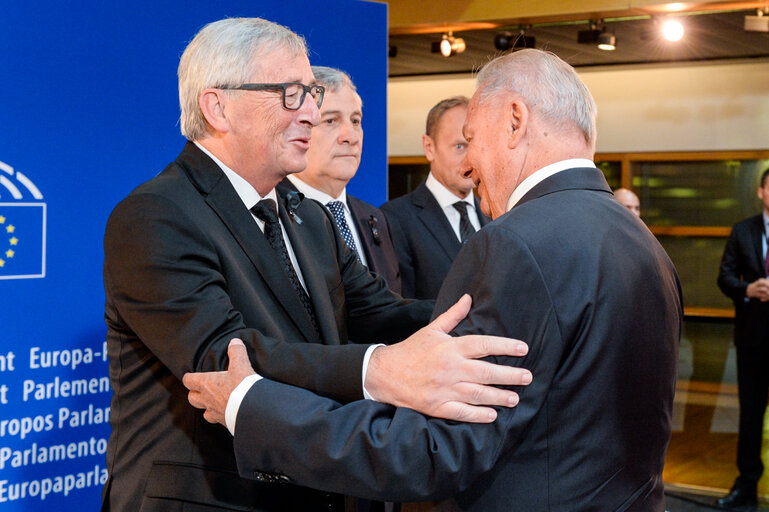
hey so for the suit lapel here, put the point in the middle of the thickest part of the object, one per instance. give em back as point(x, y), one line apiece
point(363, 228)
point(219, 194)
point(433, 218)
point(756, 234)
point(304, 239)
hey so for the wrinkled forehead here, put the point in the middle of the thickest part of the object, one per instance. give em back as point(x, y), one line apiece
point(475, 110)
point(281, 64)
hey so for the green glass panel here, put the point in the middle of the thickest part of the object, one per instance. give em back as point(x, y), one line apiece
point(697, 260)
point(698, 193)
point(612, 171)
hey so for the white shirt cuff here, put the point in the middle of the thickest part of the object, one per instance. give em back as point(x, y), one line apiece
point(366, 358)
point(236, 397)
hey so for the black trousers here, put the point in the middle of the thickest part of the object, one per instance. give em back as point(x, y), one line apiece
point(753, 386)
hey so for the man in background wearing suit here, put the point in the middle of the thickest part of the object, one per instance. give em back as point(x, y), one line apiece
point(743, 278)
point(200, 254)
point(430, 224)
point(563, 266)
point(332, 161)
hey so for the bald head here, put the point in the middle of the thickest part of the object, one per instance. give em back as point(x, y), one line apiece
point(629, 200)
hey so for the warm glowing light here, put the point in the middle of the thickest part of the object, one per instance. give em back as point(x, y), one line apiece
point(445, 46)
point(673, 30)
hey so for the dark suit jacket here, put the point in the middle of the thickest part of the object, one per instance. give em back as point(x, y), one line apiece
point(374, 234)
point(742, 264)
point(589, 288)
point(186, 269)
point(425, 243)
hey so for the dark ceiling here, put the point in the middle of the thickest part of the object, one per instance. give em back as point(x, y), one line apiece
point(708, 36)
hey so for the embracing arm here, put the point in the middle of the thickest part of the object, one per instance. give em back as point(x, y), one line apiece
point(380, 452)
point(165, 285)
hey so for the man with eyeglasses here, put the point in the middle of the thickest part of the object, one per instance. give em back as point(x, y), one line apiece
point(206, 251)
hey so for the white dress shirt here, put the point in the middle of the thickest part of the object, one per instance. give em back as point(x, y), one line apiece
point(250, 197)
point(540, 175)
point(446, 200)
point(324, 199)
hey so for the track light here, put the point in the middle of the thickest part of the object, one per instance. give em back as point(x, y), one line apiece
point(507, 40)
point(672, 30)
point(757, 23)
point(604, 38)
point(450, 45)
point(607, 40)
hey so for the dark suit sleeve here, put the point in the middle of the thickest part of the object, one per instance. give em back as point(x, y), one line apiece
point(375, 451)
point(402, 252)
point(730, 273)
point(374, 313)
point(161, 272)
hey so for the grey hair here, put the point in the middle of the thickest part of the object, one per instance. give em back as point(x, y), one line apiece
point(222, 54)
point(334, 79)
point(331, 78)
point(550, 87)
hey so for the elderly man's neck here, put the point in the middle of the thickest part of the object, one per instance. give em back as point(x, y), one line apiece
point(263, 180)
point(550, 147)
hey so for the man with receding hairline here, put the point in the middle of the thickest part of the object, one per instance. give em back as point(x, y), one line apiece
point(207, 251)
point(430, 224)
point(629, 200)
point(563, 266)
point(332, 161)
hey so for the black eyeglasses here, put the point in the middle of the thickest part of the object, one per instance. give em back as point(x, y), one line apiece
point(292, 93)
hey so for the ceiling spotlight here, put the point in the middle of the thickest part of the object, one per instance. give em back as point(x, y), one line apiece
point(451, 45)
point(757, 23)
point(507, 40)
point(607, 40)
point(589, 36)
point(672, 30)
point(603, 37)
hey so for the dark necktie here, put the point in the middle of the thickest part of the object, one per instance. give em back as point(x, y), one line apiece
point(466, 228)
point(265, 211)
point(337, 208)
point(766, 257)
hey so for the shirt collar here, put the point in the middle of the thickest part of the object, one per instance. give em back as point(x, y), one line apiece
point(444, 196)
point(244, 189)
point(538, 176)
point(766, 221)
point(314, 193)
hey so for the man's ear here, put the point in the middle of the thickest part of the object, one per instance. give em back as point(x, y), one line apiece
point(428, 145)
point(212, 102)
point(516, 120)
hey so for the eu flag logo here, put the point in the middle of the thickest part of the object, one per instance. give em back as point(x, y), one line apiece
point(22, 240)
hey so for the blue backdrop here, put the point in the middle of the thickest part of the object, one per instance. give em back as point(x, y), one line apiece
point(89, 111)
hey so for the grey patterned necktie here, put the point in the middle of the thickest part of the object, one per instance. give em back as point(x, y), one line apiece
point(265, 211)
point(466, 228)
point(337, 208)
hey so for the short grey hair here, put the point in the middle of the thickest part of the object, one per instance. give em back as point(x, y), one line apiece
point(331, 78)
point(222, 54)
point(550, 87)
point(334, 79)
